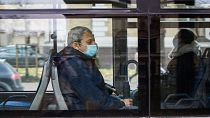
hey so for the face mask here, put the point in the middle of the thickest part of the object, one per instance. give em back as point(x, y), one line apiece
point(175, 41)
point(91, 50)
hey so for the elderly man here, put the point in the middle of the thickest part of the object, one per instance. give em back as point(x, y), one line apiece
point(81, 82)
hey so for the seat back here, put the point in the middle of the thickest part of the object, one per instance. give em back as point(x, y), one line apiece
point(49, 72)
point(200, 92)
point(199, 97)
point(42, 87)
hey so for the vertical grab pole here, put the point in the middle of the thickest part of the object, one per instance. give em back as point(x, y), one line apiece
point(53, 68)
point(54, 75)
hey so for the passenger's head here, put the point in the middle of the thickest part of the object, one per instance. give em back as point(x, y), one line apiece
point(76, 34)
point(82, 39)
point(184, 41)
point(184, 36)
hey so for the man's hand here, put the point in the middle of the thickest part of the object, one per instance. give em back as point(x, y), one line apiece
point(128, 102)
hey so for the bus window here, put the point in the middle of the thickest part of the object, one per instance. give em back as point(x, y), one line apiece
point(40, 42)
point(185, 4)
point(184, 83)
point(28, 47)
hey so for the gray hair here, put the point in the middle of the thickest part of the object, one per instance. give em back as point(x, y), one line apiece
point(76, 34)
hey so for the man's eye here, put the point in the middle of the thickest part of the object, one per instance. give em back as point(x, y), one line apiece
point(89, 42)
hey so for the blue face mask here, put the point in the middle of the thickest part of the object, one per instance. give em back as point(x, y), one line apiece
point(91, 50)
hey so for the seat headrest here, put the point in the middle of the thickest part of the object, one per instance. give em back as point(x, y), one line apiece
point(206, 53)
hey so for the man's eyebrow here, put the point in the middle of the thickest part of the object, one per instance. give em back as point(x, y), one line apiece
point(89, 40)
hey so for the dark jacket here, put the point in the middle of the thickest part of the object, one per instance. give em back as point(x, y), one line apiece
point(82, 84)
point(187, 70)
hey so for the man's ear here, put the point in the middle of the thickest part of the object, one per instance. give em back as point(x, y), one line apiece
point(74, 45)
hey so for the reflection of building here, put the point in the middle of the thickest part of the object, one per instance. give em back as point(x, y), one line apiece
point(3, 36)
point(24, 32)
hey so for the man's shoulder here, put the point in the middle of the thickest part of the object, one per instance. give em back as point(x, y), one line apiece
point(67, 58)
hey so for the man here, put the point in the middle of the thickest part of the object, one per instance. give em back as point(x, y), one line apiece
point(81, 82)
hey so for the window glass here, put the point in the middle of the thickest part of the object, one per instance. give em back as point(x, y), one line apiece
point(184, 63)
point(133, 54)
point(34, 43)
point(185, 4)
point(11, 51)
point(65, 4)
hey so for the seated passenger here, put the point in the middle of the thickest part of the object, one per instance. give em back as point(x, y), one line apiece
point(81, 82)
point(185, 65)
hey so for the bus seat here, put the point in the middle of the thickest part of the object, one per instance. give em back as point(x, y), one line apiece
point(200, 98)
point(15, 102)
point(47, 75)
point(206, 57)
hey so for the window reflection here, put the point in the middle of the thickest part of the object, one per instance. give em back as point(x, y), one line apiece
point(194, 93)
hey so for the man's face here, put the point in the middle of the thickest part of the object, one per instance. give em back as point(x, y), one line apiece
point(88, 39)
point(176, 41)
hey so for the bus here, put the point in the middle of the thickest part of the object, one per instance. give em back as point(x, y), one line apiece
point(134, 38)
